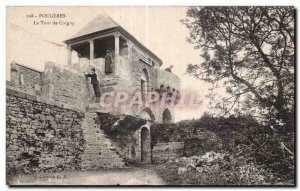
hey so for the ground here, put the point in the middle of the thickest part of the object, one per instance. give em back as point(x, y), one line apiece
point(127, 176)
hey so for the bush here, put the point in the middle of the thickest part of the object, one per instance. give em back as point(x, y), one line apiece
point(244, 137)
point(215, 169)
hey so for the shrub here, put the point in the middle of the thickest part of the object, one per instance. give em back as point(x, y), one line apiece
point(214, 169)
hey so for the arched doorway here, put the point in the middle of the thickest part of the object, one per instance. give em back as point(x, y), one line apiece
point(167, 117)
point(147, 114)
point(145, 145)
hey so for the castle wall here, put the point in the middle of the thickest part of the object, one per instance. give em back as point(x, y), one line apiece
point(41, 136)
point(158, 112)
point(26, 79)
point(61, 91)
point(137, 71)
point(124, 71)
point(163, 152)
point(167, 79)
point(48, 136)
point(54, 84)
point(66, 87)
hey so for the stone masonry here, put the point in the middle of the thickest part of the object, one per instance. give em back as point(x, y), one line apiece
point(40, 136)
point(163, 152)
point(98, 152)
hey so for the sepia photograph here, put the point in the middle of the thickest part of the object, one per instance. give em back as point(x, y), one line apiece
point(150, 96)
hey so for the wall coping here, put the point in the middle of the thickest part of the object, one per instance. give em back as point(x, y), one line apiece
point(22, 94)
point(28, 67)
point(170, 142)
point(169, 74)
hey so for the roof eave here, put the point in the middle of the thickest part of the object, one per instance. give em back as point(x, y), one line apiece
point(94, 34)
point(132, 38)
point(121, 30)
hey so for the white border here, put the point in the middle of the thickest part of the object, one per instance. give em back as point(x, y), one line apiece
point(5, 3)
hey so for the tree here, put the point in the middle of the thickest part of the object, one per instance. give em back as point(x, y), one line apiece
point(250, 51)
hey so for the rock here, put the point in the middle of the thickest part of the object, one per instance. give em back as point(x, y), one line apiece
point(199, 169)
point(190, 167)
point(181, 170)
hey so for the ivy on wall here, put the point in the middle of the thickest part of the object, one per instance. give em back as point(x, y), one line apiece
point(120, 129)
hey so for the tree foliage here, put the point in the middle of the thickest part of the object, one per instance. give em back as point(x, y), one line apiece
point(249, 51)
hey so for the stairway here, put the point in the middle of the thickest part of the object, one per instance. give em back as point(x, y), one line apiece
point(99, 151)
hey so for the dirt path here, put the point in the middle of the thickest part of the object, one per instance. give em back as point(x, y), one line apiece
point(132, 176)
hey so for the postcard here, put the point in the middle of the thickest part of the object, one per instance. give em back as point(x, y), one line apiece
point(150, 96)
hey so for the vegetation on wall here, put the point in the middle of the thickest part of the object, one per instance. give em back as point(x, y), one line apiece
point(120, 129)
point(252, 146)
point(244, 136)
point(196, 140)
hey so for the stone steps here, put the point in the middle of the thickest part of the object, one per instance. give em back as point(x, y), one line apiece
point(99, 151)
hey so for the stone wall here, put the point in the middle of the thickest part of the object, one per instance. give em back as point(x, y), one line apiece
point(124, 133)
point(45, 136)
point(41, 137)
point(167, 79)
point(163, 152)
point(47, 129)
point(159, 112)
point(200, 142)
point(99, 152)
point(196, 140)
point(138, 67)
point(66, 87)
point(26, 79)
point(124, 71)
point(55, 83)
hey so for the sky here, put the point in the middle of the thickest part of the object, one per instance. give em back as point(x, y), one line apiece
point(158, 28)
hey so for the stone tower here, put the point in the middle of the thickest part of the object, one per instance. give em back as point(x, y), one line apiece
point(134, 67)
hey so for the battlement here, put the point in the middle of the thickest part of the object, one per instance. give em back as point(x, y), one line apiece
point(54, 84)
point(167, 79)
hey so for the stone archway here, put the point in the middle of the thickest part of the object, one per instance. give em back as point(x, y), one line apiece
point(167, 117)
point(147, 114)
point(145, 145)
